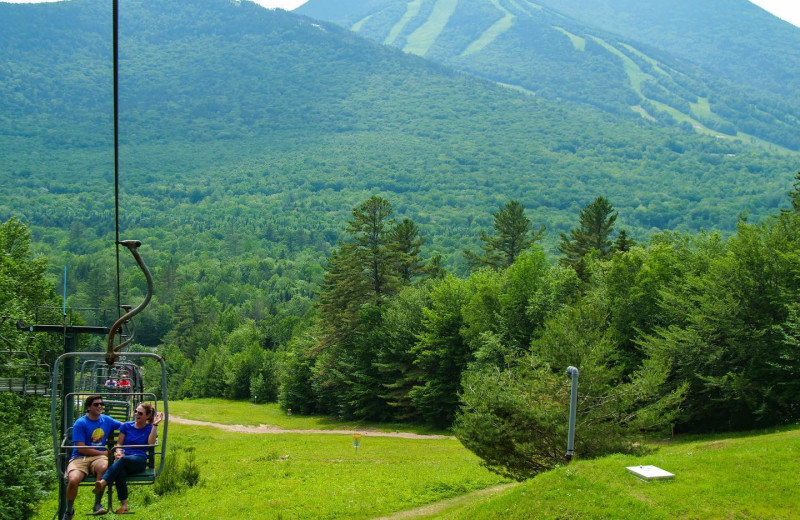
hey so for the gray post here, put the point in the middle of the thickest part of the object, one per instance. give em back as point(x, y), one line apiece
point(573, 406)
point(68, 416)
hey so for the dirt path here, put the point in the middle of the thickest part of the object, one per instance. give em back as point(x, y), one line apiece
point(438, 507)
point(270, 429)
point(403, 515)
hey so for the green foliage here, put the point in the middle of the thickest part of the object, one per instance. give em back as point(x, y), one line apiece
point(395, 358)
point(529, 401)
point(703, 74)
point(364, 274)
point(406, 243)
point(441, 353)
point(732, 339)
point(25, 461)
point(794, 194)
point(596, 225)
point(368, 268)
point(296, 392)
point(25, 455)
point(512, 235)
point(623, 242)
point(180, 471)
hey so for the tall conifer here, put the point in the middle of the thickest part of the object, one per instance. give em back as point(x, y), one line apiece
point(512, 235)
point(596, 225)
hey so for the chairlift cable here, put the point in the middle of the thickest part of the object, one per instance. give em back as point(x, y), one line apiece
point(115, 38)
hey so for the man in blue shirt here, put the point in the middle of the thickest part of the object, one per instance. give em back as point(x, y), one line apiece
point(89, 435)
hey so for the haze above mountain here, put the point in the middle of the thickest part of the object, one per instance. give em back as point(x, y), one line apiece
point(718, 67)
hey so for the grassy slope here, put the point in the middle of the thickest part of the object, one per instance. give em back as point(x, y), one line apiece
point(247, 414)
point(751, 476)
point(298, 476)
point(321, 476)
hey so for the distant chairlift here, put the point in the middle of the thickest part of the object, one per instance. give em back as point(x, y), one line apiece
point(21, 373)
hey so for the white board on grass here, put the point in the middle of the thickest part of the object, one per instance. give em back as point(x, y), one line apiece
point(650, 472)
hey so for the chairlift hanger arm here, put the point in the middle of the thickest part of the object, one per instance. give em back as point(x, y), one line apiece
point(112, 353)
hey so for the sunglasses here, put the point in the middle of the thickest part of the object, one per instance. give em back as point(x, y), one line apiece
point(139, 413)
point(96, 404)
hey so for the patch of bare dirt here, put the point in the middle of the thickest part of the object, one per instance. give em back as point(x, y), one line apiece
point(446, 504)
point(271, 429)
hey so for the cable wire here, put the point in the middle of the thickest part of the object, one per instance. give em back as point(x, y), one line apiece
point(115, 16)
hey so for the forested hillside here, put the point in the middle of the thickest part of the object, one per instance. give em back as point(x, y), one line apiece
point(359, 232)
point(708, 66)
point(733, 39)
point(248, 135)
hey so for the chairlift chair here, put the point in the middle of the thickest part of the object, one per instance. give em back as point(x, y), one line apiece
point(64, 409)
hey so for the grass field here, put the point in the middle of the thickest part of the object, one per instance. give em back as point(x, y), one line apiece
point(321, 476)
point(248, 414)
point(753, 476)
point(298, 476)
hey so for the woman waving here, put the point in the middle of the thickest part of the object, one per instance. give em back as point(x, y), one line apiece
point(135, 438)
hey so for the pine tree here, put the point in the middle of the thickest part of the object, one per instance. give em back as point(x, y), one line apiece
point(794, 195)
point(406, 244)
point(623, 242)
point(377, 261)
point(370, 228)
point(596, 224)
point(343, 290)
point(512, 235)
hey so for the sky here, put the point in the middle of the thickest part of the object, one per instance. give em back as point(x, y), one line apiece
point(789, 10)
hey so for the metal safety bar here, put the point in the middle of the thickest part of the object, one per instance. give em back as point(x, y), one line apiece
point(69, 402)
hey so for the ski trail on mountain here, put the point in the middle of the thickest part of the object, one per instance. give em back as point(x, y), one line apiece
point(490, 34)
point(421, 40)
point(412, 10)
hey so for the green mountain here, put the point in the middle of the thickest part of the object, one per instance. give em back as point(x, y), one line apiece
point(733, 39)
point(248, 135)
point(716, 67)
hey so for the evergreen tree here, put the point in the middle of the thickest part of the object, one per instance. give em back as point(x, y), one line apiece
point(623, 242)
point(733, 336)
point(512, 235)
point(434, 269)
point(377, 261)
point(343, 291)
point(406, 244)
point(596, 224)
point(370, 230)
point(794, 195)
point(192, 322)
point(441, 353)
point(394, 359)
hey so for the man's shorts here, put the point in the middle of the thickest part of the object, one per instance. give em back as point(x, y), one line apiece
point(86, 465)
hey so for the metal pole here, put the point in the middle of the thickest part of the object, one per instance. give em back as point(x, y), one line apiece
point(68, 414)
point(573, 406)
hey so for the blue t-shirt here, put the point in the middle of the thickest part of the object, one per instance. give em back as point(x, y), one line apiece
point(92, 433)
point(135, 436)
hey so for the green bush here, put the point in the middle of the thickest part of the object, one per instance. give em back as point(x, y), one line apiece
point(516, 418)
point(180, 470)
point(26, 465)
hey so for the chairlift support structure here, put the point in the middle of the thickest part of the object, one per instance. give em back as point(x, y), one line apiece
point(20, 371)
point(67, 403)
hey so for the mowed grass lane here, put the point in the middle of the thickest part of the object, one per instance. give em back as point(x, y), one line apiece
point(298, 475)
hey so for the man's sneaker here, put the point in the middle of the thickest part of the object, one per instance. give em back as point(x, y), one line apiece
point(99, 509)
point(69, 515)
